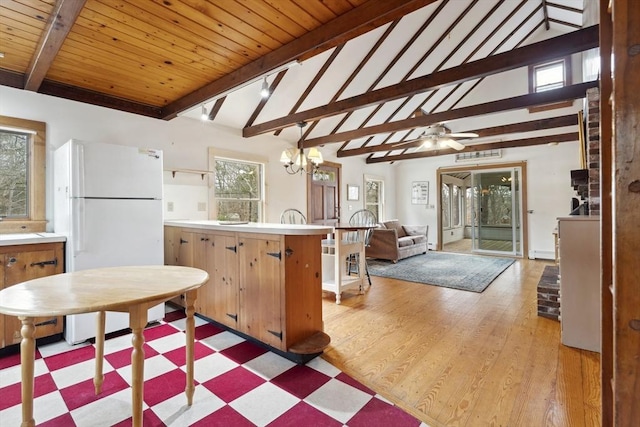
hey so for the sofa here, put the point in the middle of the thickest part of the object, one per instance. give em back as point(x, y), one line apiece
point(394, 241)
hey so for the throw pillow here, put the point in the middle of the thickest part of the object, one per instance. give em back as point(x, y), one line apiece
point(395, 224)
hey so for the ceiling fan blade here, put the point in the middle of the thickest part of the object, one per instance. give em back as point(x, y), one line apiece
point(463, 135)
point(452, 143)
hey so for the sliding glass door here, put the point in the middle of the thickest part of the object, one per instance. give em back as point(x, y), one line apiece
point(496, 211)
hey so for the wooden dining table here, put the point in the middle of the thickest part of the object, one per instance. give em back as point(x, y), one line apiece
point(130, 289)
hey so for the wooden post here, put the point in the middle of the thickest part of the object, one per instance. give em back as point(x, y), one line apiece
point(626, 206)
point(606, 277)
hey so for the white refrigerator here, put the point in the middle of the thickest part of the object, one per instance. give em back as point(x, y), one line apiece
point(108, 202)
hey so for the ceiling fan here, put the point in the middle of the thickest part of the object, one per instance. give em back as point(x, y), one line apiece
point(439, 135)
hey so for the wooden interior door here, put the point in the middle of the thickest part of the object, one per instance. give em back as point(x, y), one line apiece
point(323, 195)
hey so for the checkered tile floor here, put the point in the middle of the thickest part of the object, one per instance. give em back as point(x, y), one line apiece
point(237, 384)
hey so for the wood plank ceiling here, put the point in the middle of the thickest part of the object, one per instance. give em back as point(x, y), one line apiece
point(373, 74)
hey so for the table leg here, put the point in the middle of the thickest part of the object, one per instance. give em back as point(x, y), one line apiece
point(27, 362)
point(361, 262)
point(190, 298)
point(98, 377)
point(137, 322)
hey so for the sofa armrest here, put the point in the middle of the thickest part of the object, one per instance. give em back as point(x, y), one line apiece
point(383, 244)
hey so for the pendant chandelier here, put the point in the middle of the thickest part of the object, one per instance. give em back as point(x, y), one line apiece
point(295, 161)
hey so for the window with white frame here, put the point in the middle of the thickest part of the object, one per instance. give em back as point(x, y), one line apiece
point(550, 75)
point(374, 196)
point(446, 205)
point(451, 201)
point(238, 190)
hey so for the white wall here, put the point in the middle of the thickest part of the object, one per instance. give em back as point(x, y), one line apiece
point(549, 190)
point(185, 144)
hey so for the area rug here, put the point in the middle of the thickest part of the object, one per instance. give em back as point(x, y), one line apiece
point(458, 271)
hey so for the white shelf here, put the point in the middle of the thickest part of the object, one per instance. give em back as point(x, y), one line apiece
point(202, 173)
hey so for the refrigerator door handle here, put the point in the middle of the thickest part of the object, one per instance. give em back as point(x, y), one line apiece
point(79, 229)
point(79, 177)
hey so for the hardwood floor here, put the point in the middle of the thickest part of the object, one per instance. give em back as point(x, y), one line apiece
point(464, 246)
point(457, 358)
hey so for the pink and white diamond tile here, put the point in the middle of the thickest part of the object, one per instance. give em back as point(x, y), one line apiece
point(238, 383)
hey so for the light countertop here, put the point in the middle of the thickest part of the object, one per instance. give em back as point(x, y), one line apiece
point(253, 227)
point(30, 238)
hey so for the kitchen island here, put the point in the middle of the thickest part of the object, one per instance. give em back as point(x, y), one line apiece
point(265, 280)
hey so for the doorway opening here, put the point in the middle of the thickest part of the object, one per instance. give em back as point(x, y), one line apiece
point(481, 210)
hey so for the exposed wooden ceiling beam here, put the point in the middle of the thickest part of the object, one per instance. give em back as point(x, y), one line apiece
point(451, 89)
point(357, 70)
point(61, 19)
point(89, 97)
point(434, 15)
point(74, 93)
point(566, 93)
point(444, 34)
point(12, 79)
point(530, 126)
point(568, 24)
point(516, 143)
point(549, 49)
point(315, 80)
point(545, 12)
point(263, 101)
point(216, 107)
point(564, 7)
point(360, 20)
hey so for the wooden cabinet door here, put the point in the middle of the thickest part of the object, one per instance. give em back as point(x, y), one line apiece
point(183, 250)
point(189, 250)
point(199, 260)
point(186, 244)
point(222, 264)
point(303, 284)
point(261, 296)
point(23, 265)
point(171, 242)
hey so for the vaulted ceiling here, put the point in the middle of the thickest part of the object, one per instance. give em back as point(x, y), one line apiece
point(366, 75)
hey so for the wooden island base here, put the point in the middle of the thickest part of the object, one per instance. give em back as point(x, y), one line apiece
point(265, 280)
point(315, 344)
point(300, 353)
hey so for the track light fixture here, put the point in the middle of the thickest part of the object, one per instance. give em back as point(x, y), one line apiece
point(295, 161)
point(265, 92)
point(204, 116)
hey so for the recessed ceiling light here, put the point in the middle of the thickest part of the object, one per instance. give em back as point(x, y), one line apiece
point(1, 55)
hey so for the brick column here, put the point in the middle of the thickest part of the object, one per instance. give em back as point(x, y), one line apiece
point(593, 149)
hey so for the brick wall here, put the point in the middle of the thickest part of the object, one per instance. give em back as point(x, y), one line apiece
point(593, 149)
point(549, 293)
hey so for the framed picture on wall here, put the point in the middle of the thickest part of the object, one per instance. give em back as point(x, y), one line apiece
point(420, 192)
point(353, 192)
